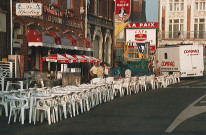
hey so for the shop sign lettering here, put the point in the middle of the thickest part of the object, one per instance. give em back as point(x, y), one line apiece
point(168, 63)
point(191, 51)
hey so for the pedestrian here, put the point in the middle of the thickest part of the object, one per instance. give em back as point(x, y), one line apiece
point(158, 68)
point(116, 72)
point(100, 71)
point(150, 67)
point(93, 71)
point(106, 70)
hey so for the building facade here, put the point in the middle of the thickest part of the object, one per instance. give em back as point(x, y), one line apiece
point(76, 27)
point(100, 28)
point(3, 29)
point(182, 21)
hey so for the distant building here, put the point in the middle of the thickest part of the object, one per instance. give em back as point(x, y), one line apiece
point(138, 14)
point(182, 21)
point(138, 11)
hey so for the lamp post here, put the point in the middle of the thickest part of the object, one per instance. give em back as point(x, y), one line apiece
point(11, 24)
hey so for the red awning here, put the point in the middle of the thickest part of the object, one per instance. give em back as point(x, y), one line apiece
point(87, 42)
point(73, 39)
point(57, 37)
point(33, 35)
point(70, 57)
point(91, 59)
point(80, 58)
point(56, 58)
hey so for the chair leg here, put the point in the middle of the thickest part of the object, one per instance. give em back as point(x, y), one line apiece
point(49, 116)
point(10, 116)
point(6, 109)
point(65, 111)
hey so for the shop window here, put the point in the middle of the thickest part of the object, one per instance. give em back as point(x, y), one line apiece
point(165, 56)
point(54, 2)
point(70, 4)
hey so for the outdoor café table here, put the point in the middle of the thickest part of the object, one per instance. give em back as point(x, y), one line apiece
point(13, 81)
point(33, 99)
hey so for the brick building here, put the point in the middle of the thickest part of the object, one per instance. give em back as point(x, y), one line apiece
point(66, 26)
point(100, 28)
point(3, 29)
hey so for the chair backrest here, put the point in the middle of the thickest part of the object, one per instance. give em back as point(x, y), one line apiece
point(128, 73)
point(109, 79)
point(95, 80)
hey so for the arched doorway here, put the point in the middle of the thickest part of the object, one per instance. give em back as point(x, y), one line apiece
point(106, 50)
point(96, 47)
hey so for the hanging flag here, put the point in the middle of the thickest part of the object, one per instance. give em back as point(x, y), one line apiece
point(122, 9)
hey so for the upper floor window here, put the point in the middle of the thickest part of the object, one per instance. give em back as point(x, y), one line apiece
point(56, 2)
point(176, 5)
point(200, 5)
point(69, 4)
point(199, 28)
point(97, 7)
point(175, 28)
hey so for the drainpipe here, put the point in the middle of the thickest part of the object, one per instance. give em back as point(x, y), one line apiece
point(11, 24)
point(86, 19)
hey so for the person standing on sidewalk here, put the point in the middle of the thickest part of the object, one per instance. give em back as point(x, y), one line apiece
point(158, 68)
point(150, 67)
point(116, 72)
point(100, 71)
point(93, 71)
point(106, 70)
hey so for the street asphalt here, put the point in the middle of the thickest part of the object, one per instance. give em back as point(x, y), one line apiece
point(144, 113)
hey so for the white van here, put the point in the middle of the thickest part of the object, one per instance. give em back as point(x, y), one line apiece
point(185, 60)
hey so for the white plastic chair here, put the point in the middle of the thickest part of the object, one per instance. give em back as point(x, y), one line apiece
point(151, 81)
point(18, 83)
point(161, 82)
point(142, 83)
point(126, 85)
point(48, 105)
point(134, 84)
point(4, 103)
point(128, 73)
point(16, 104)
point(118, 86)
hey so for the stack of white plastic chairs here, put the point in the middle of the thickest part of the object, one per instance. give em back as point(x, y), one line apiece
point(59, 103)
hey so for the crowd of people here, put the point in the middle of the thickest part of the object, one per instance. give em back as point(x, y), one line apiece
point(103, 70)
point(154, 67)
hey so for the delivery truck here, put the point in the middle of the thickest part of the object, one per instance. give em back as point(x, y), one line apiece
point(184, 60)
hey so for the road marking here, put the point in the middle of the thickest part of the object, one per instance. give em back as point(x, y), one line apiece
point(191, 111)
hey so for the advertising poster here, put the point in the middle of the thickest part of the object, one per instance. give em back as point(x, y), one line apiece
point(122, 9)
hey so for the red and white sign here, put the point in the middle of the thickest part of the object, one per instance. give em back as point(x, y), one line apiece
point(191, 51)
point(143, 25)
point(122, 9)
point(168, 64)
point(142, 36)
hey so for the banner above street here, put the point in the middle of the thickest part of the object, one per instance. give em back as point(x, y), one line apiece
point(122, 9)
point(143, 25)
